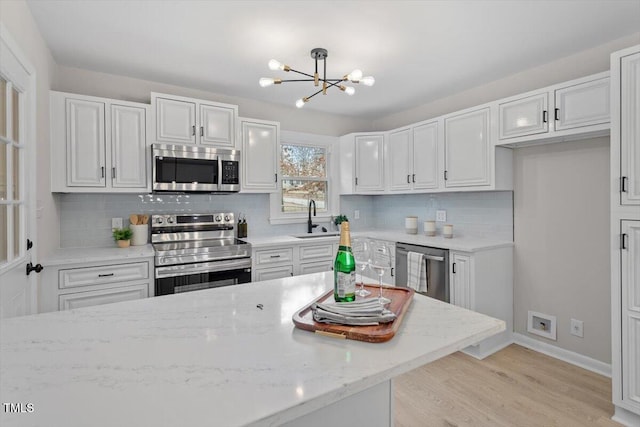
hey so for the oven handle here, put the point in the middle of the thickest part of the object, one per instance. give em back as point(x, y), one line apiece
point(429, 257)
point(202, 267)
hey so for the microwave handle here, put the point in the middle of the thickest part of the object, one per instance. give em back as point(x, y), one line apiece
point(219, 172)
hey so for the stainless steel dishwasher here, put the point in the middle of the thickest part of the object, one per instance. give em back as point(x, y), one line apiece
point(437, 266)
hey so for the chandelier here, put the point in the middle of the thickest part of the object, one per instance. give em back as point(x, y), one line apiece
point(318, 54)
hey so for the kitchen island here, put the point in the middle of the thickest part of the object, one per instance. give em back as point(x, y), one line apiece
point(219, 357)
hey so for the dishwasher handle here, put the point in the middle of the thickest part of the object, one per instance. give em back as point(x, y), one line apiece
point(426, 256)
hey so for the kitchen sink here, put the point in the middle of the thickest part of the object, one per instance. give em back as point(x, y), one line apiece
point(316, 235)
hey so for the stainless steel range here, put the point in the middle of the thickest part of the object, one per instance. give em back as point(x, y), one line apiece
point(198, 251)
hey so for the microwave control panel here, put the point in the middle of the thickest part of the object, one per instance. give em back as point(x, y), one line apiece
point(230, 172)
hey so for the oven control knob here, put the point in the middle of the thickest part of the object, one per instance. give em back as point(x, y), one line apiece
point(170, 220)
point(226, 218)
point(218, 218)
point(159, 220)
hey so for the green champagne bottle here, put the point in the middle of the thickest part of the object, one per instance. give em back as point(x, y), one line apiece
point(344, 268)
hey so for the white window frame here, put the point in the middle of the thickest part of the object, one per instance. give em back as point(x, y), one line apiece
point(329, 143)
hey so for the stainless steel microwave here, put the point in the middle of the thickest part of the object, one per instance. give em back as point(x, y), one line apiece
point(193, 168)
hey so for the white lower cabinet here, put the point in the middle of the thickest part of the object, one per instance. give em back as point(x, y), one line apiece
point(483, 281)
point(294, 260)
point(70, 286)
point(630, 303)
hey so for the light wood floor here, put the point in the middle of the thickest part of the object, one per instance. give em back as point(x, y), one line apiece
point(513, 387)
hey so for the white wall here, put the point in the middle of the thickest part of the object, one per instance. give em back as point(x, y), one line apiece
point(85, 82)
point(17, 18)
point(561, 263)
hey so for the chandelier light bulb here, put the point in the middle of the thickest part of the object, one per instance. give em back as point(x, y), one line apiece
point(368, 81)
point(350, 90)
point(355, 75)
point(300, 103)
point(275, 65)
point(266, 81)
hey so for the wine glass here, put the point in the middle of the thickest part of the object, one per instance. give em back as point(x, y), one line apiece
point(380, 262)
point(361, 252)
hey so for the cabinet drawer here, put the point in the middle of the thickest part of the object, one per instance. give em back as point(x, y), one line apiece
point(274, 256)
point(103, 296)
point(273, 273)
point(316, 267)
point(318, 251)
point(102, 274)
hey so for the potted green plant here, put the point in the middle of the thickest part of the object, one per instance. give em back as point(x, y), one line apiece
point(122, 236)
point(339, 220)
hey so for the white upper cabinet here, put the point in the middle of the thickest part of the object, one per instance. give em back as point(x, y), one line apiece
point(85, 143)
point(525, 116)
point(369, 163)
point(571, 110)
point(259, 155)
point(425, 157)
point(413, 158)
point(400, 164)
point(630, 129)
point(217, 125)
point(583, 104)
point(467, 149)
point(98, 145)
point(128, 146)
point(176, 121)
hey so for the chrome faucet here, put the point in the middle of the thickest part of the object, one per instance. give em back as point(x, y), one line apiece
point(311, 225)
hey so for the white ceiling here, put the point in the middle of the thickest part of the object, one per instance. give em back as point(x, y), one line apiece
point(418, 51)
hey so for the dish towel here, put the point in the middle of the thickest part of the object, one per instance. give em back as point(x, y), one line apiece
point(417, 272)
point(364, 312)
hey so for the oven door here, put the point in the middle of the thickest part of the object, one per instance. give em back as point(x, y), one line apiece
point(192, 277)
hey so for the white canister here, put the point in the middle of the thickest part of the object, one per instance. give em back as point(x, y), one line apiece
point(411, 224)
point(140, 234)
point(447, 231)
point(430, 228)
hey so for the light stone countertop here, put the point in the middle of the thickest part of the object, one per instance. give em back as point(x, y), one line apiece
point(461, 243)
point(209, 357)
point(89, 255)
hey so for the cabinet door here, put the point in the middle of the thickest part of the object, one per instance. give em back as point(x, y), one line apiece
point(369, 163)
point(103, 296)
point(425, 156)
point(85, 143)
point(630, 274)
point(260, 156)
point(460, 281)
point(526, 116)
point(128, 147)
point(217, 125)
point(399, 152)
point(630, 129)
point(467, 149)
point(273, 273)
point(584, 104)
point(175, 121)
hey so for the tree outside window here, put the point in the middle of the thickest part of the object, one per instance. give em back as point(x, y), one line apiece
point(304, 177)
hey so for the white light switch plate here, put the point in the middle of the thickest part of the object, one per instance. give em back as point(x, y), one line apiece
point(441, 216)
point(577, 328)
point(116, 223)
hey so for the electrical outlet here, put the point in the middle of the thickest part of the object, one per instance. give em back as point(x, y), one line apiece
point(116, 223)
point(356, 214)
point(441, 216)
point(576, 328)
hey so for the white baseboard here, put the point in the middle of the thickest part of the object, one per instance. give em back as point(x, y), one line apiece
point(626, 418)
point(564, 355)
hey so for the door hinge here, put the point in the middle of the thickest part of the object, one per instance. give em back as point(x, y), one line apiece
point(29, 244)
point(623, 241)
point(38, 268)
point(453, 267)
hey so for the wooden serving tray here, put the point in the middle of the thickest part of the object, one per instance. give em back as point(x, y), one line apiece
point(400, 300)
